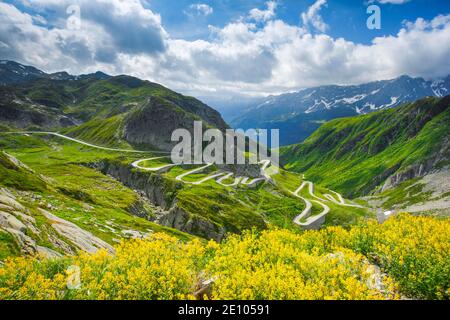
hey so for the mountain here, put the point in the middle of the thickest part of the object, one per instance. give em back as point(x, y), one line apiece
point(12, 73)
point(299, 114)
point(378, 152)
point(148, 112)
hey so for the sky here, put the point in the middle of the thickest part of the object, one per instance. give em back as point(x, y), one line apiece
point(225, 48)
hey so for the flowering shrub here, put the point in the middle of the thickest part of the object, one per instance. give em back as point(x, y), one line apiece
point(415, 251)
point(161, 268)
point(333, 263)
point(273, 266)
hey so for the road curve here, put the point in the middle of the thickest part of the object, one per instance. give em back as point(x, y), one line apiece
point(228, 175)
point(311, 221)
point(137, 165)
point(83, 142)
point(341, 200)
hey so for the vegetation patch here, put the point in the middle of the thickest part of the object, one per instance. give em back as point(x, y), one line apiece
point(333, 263)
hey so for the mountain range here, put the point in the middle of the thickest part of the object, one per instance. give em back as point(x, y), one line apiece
point(299, 114)
point(128, 110)
point(12, 73)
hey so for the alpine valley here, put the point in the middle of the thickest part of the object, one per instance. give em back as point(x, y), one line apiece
point(355, 209)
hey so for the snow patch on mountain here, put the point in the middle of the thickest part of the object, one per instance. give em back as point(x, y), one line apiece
point(317, 104)
point(394, 101)
point(439, 88)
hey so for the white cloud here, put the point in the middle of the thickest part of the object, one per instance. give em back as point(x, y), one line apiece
point(313, 18)
point(242, 57)
point(124, 26)
point(199, 9)
point(264, 15)
point(280, 57)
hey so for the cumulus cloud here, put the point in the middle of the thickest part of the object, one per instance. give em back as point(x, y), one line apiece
point(281, 57)
point(264, 15)
point(199, 9)
point(312, 18)
point(106, 29)
point(245, 56)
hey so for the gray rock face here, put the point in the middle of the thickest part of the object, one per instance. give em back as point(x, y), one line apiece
point(18, 221)
point(178, 219)
point(151, 185)
point(244, 170)
point(27, 244)
point(152, 124)
point(161, 195)
point(10, 211)
point(84, 240)
point(8, 221)
point(419, 170)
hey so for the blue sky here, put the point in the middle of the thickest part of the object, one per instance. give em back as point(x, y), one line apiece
point(225, 48)
point(347, 18)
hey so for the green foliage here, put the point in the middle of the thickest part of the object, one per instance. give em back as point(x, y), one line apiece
point(103, 206)
point(356, 155)
point(105, 132)
point(8, 247)
point(77, 193)
point(19, 177)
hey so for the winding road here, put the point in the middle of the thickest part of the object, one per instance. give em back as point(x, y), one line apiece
point(305, 219)
point(137, 164)
point(82, 142)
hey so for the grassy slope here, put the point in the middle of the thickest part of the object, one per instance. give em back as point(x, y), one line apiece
point(86, 99)
point(75, 186)
point(355, 155)
point(241, 208)
point(98, 102)
point(77, 193)
point(236, 209)
point(108, 105)
point(105, 132)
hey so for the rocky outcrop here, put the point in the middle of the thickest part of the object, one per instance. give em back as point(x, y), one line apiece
point(84, 240)
point(243, 170)
point(153, 123)
point(8, 221)
point(419, 170)
point(18, 221)
point(178, 219)
point(153, 187)
point(162, 194)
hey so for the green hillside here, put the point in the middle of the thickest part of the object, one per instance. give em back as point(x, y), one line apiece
point(47, 104)
point(357, 155)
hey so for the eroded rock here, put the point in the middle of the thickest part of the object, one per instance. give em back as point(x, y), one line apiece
point(82, 239)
